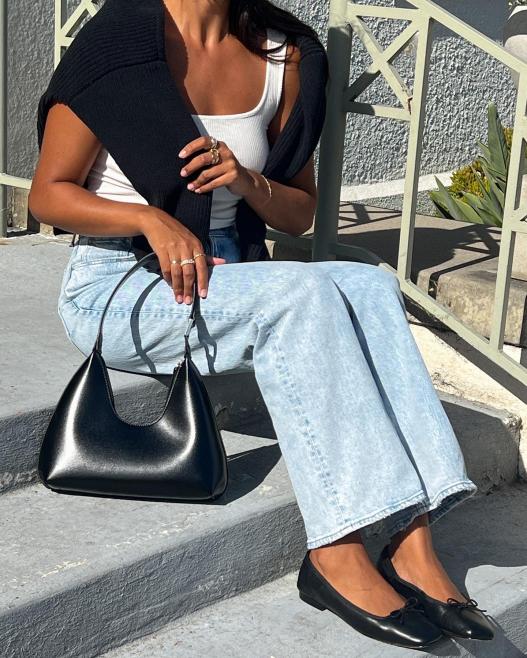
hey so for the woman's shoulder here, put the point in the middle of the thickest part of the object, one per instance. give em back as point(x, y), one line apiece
point(119, 34)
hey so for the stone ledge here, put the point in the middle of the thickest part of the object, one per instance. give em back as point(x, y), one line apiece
point(34, 371)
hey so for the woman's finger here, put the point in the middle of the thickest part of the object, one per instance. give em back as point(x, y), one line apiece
point(215, 260)
point(164, 265)
point(189, 275)
point(202, 272)
point(176, 277)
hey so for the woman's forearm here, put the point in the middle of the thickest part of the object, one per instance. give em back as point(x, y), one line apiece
point(75, 209)
point(290, 209)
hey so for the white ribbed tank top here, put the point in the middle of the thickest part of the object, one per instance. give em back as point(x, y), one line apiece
point(244, 133)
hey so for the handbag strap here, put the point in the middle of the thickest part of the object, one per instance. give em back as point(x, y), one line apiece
point(140, 262)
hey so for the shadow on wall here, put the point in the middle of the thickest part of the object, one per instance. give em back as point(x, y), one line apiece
point(487, 16)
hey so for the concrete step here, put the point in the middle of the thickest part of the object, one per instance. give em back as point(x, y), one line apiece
point(483, 543)
point(80, 574)
point(70, 564)
point(489, 438)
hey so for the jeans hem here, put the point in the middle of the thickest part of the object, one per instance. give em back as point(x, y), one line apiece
point(442, 503)
point(417, 504)
point(361, 523)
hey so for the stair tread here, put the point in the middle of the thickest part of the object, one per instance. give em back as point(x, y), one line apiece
point(50, 542)
point(271, 621)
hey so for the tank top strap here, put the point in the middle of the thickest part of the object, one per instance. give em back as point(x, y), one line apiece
point(275, 71)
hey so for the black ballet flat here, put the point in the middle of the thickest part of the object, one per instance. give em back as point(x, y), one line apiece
point(462, 619)
point(406, 627)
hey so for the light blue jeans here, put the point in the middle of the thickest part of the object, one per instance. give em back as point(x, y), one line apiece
point(364, 436)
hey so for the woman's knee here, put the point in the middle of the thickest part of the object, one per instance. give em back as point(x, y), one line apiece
point(383, 277)
point(294, 278)
point(355, 276)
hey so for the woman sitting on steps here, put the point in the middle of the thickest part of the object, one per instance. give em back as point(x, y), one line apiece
point(152, 95)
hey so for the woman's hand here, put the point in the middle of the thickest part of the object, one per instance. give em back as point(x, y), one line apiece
point(170, 240)
point(228, 172)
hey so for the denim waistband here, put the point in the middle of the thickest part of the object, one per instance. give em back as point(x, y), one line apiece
point(126, 242)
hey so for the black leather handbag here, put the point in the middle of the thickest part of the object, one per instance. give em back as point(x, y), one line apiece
point(88, 449)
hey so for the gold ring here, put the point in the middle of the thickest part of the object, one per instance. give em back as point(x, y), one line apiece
point(187, 261)
point(213, 142)
point(198, 255)
point(174, 261)
point(215, 156)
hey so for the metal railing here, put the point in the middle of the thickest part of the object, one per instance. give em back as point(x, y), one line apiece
point(346, 20)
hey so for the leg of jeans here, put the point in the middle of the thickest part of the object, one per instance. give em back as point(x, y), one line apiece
point(377, 311)
point(345, 460)
point(290, 323)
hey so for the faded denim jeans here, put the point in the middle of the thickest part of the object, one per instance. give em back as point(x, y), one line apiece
point(364, 436)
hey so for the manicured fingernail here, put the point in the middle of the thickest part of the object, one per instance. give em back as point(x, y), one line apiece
point(182, 153)
point(188, 299)
point(183, 172)
point(203, 292)
point(198, 191)
point(179, 299)
point(190, 186)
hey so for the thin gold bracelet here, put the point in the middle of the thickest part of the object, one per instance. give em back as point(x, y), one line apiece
point(270, 189)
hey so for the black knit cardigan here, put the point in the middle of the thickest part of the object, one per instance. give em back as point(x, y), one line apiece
point(116, 79)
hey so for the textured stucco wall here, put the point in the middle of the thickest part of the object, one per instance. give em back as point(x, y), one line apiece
point(463, 82)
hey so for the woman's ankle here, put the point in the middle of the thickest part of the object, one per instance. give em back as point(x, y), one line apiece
point(412, 548)
point(344, 551)
point(414, 558)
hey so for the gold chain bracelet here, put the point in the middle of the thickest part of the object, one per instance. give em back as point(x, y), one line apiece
point(270, 189)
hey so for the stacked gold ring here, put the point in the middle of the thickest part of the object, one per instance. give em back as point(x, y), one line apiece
point(214, 150)
point(186, 261)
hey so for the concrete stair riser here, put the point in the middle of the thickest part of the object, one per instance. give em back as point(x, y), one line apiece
point(489, 438)
point(139, 598)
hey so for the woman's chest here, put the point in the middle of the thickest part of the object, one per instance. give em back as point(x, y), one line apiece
point(227, 81)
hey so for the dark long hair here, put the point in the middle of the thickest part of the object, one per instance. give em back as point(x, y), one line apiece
point(249, 19)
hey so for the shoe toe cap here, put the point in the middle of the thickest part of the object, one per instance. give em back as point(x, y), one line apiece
point(473, 625)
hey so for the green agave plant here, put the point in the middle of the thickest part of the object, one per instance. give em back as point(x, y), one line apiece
point(488, 181)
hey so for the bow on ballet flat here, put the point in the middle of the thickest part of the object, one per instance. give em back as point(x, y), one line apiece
point(469, 603)
point(411, 604)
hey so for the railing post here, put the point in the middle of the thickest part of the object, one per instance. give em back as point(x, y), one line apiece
point(61, 10)
point(415, 147)
point(508, 233)
point(331, 152)
point(3, 114)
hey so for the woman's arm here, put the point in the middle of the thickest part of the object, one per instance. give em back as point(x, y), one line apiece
point(68, 151)
point(292, 206)
point(57, 198)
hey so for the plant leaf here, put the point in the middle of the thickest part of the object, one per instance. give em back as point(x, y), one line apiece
point(499, 151)
point(495, 190)
point(459, 210)
point(483, 208)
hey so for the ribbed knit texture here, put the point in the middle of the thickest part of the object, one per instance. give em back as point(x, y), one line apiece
point(115, 77)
